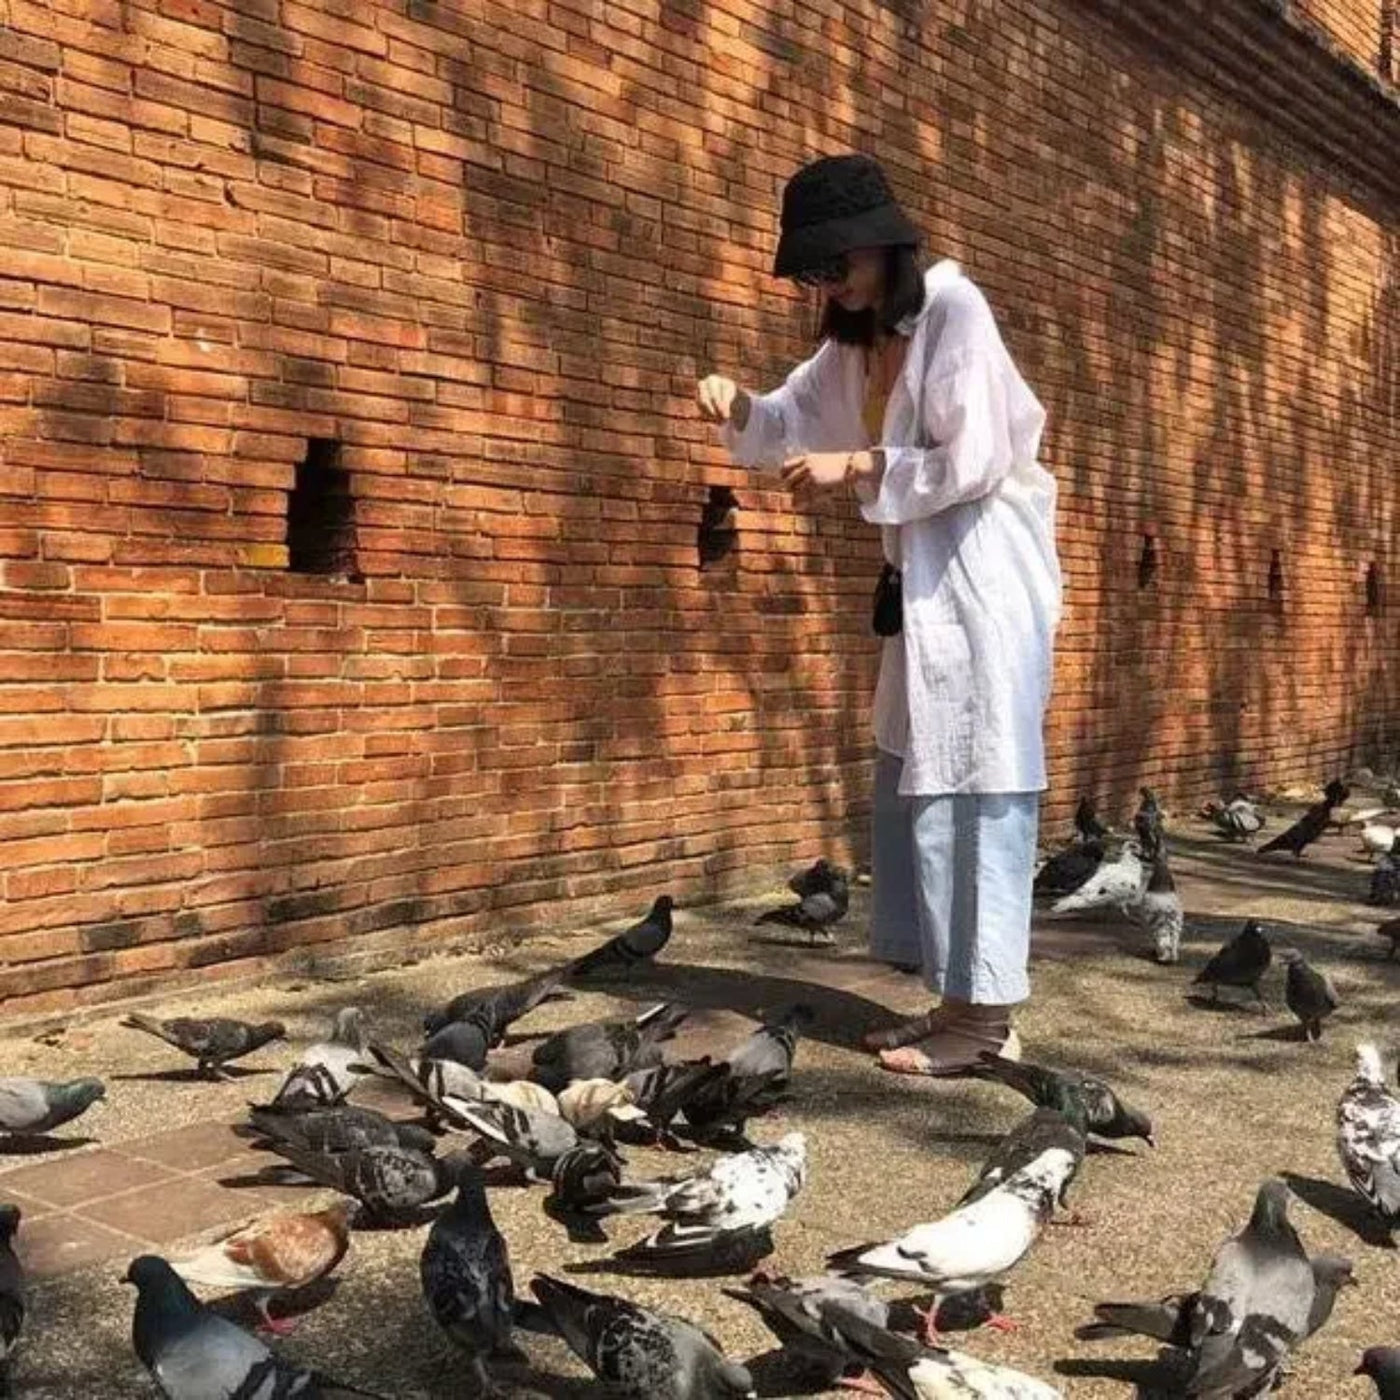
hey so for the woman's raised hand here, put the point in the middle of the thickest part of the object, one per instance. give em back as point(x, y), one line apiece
point(721, 400)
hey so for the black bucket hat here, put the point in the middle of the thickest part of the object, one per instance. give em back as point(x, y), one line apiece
point(836, 204)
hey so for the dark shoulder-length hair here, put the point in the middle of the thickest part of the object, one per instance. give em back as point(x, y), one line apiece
point(904, 296)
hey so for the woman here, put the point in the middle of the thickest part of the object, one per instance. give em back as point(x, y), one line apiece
point(913, 405)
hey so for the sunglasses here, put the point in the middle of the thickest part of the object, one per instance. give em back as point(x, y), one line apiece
point(827, 274)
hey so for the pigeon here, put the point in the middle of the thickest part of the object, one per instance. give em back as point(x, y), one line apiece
point(805, 1314)
point(465, 1271)
point(717, 1220)
point(1368, 1136)
point(820, 875)
point(1158, 909)
point(665, 1090)
point(633, 946)
point(1061, 1124)
point(816, 911)
point(1385, 883)
point(1309, 994)
point(593, 1105)
point(32, 1106)
point(1106, 1114)
point(1148, 822)
point(637, 1353)
point(1242, 962)
point(915, 1372)
point(531, 1139)
point(1068, 870)
point(584, 1177)
point(12, 1292)
point(1390, 929)
point(389, 1182)
point(1377, 839)
point(605, 1049)
point(496, 1009)
point(1310, 825)
point(1382, 1365)
point(1238, 819)
point(212, 1041)
point(194, 1354)
point(333, 1130)
point(975, 1244)
point(329, 1069)
point(280, 1253)
point(1254, 1307)
point(759, 1070)
point(1168, 1320)
point(1087, 823)
point(1115, 883)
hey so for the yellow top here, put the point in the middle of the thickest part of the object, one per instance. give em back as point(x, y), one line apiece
point(874, 410)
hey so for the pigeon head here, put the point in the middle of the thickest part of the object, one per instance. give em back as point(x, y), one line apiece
point(1254, 929)
point(83, 1092)
point(1271, 1205)
point(1336, 791)
point(9, 1222)
point(269, 1030)
point(418, 1139)
point(348, 1027)
point(1289, 956)
point(1139, 1126)
point(662, 907)
point(1333, 1271)
point(1368, 1065)
point(1382, 1364)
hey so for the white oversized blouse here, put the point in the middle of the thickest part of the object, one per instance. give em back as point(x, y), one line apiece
point(967, 514)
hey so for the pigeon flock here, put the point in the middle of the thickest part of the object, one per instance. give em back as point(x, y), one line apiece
point(594, 1089)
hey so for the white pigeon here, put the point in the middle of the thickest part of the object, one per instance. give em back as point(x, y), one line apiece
point(1116, 884)
point(1239, 818)
point(1368, 1136)
point(1378, 838)
point(328, 1070)
point(955, 1375)
point(975, 1244)
point(588, 1103)
point(1158, 910)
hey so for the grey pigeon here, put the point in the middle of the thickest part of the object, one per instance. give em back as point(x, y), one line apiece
point(1309, 994)
point(1382, 1365)
point(1106, 1114)
point(32, 1106)
point(1368, 1137)
point(12, 1293)
point(211, 1041)
point(605, 1049)
point(819, 907)
point(1061, 1125)
point(1237, 819)
point(532, 1139)
point(496, 1009)
point(804, 1315)
point(1148, 822)
point(759, 1070)
point(195, 1354)
point(437, 1085)
point(663, 1091)
point(333, 1130)
point(1168, 1320)
point(1158, 909)
point(1385, 883)
point(329, 1069)
point(465, 1042)
point(1310, 825)
point(1242, 962)
point(640, 1354)
point(584, 1177)
point(629, 949)
point(465, 1271)
point(389, 1182)
point(1086, 821)
point(1390, 930)
point(1254, 1307)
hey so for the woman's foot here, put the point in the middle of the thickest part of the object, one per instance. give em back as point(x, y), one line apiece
point(905, 1032)
point(955, 1045)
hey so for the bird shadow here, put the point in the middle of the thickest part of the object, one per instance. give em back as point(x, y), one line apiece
point(1154, 1380)
point(41, 1142)
point(293, 1304)
point(1342, 1205)
point(1225, 1008)
point(190, 1076)
point(1286, 1033)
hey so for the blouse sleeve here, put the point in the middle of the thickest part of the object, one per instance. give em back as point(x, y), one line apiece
point(786, 421)
point(970, 414)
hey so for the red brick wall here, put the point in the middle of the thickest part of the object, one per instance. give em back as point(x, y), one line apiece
point(492, 270)
point(1365, 30)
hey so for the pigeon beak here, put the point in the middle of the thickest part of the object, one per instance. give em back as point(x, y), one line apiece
point(1151, 1141)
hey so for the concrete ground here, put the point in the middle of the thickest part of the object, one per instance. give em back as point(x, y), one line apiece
point(1235, 1097)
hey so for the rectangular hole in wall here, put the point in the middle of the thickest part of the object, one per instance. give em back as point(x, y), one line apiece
point(1375, 590)
point(1276, 576)
point(321, 515)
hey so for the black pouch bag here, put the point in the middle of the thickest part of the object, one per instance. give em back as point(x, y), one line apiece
point(888, 618)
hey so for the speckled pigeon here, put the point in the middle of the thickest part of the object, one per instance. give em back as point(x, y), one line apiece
point(211, 1041)
point(388, 1181)
point(333, 1130)
point(640, 1354)
point(1368, 1136)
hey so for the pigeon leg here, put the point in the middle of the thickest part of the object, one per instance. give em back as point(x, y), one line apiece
point(999, 1322)
point(863, 1384)
point(1071, 1218)
point(1263, 1005)
point(485, 1384)
point(928, 1334)
point(278, 1326)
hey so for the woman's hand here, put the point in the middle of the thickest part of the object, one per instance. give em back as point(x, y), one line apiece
point(721, 400)
point(828, 471)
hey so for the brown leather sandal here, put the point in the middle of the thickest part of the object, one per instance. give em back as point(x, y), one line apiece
point(906, 1032)
point(952, 1051)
